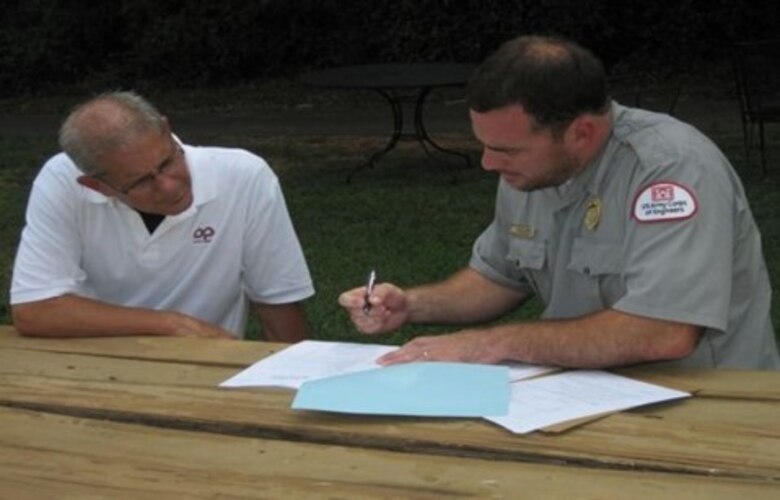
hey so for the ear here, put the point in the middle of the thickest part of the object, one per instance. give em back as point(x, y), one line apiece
point(94, 184)
point(582, 131)
point(166, 125)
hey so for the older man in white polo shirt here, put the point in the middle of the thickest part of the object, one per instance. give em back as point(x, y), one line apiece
point(130, 232)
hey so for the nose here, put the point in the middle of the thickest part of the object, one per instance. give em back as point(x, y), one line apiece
point(164, 181)
point(489, 161)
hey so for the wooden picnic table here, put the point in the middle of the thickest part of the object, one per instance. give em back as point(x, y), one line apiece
point(134, 417)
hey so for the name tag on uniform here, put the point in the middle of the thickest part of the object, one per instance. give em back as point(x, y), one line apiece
point(524, 231)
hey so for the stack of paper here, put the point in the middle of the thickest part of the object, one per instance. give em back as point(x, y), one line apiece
point(576, 394)
point(344, 377)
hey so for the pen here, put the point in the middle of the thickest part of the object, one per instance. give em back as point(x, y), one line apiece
point(369, 290)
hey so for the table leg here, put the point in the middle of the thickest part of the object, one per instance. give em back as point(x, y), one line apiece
point(422, 135)
point(398, 125)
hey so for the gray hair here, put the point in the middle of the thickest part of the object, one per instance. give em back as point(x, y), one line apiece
point(103, 124)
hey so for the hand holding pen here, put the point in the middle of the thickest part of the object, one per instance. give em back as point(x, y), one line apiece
point(375, 307)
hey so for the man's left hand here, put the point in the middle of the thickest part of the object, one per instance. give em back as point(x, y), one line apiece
point(466, 346)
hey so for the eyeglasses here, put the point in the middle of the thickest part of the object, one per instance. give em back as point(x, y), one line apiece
point(145, 184)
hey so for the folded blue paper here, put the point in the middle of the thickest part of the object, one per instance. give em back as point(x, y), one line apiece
point(433, 389)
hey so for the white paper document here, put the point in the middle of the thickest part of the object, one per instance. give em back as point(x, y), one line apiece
point(534, 403)
point(308, 360)
point(570, 395)
point(315, 359)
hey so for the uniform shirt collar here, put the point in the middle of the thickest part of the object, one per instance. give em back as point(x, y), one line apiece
point(591, 176)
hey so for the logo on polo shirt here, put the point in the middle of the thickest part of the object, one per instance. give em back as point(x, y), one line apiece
point(203, 234)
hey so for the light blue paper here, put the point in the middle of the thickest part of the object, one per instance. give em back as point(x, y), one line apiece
point(433, 389)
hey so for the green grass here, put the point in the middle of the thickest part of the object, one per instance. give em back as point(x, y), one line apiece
point(403, 218)
point(19, 162)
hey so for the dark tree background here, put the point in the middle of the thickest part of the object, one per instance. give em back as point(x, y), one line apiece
point(188, 43)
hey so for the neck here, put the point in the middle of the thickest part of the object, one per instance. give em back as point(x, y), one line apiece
point(602, 129)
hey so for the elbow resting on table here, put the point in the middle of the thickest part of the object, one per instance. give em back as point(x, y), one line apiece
point(27, 320)
point(678, 344)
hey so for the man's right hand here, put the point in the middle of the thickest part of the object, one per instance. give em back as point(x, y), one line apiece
point(388, 309)
point(182, 325)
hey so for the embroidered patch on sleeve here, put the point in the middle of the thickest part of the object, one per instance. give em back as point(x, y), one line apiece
point(664, 201)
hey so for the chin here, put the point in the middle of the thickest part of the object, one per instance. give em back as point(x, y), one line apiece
point(518, 182)
point(177, 207)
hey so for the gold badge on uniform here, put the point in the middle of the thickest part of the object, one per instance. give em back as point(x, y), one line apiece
point(593, 214)
point(524, 231)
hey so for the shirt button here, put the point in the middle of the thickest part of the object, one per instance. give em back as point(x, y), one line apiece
point(586, 270)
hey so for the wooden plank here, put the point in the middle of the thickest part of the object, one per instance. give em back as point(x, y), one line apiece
point(156, 373)
point(724, 420)
point(51, 456)
point(98, 368)
point(703, 436)
point(712, 383)
point(706, 383)
point(204, 351)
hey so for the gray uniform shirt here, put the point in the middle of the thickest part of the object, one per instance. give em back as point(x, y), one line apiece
point(657, 226)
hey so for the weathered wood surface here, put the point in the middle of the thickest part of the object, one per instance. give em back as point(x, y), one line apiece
point(174, 349)
point(100, 368)
point(706, 383)
point(53, 456)
point(739, 384)
point(733, 432)
point(703, 436)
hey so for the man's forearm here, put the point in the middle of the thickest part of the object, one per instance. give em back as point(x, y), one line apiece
point(607, 338)
point(73, 316)
point(466, 297)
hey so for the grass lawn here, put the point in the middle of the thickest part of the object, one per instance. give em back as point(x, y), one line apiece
point(404, 218)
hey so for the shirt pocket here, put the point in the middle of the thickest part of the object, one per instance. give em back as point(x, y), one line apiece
point(527, 254)
point(528, 258)
point(600, 264)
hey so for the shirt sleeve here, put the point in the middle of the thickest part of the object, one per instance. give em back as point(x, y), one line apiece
point(679, 268)
point(48, 258)
point(274, 266)
point(490, 253)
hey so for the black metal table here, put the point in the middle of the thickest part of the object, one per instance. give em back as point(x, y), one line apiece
point(398, 84)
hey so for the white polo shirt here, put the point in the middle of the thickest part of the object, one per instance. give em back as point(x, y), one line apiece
point(234, 244)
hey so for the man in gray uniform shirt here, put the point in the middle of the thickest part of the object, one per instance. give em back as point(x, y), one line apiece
point(631, 226)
